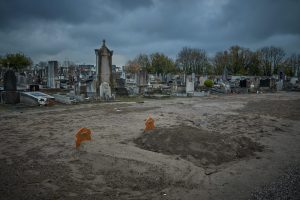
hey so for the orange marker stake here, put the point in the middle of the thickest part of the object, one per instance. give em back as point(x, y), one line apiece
point(83, 134)
point(149, 124)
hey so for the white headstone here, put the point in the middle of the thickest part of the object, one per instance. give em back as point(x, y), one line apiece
point(189, 86)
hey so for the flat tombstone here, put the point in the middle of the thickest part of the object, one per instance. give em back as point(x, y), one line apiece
point(10, 81)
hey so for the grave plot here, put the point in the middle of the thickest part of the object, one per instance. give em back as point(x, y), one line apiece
point(201, 147)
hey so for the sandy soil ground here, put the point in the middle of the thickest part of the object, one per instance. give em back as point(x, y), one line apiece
point(217, 147)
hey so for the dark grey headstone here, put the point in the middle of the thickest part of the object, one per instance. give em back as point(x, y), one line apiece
point(243, 83)
point(82, 89)
point(10, 81)
point(34, 88)
point(120, 83)
point(264, 83)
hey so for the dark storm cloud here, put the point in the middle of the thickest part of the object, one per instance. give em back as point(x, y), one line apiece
point(260, 19)
point(72, 29)
point(129, 4)
point(14, 12)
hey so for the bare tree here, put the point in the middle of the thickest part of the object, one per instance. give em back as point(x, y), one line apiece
point(271, 58)
point(193, 60)
point(237, 60)
point(132, 66)
point(293, 61)
point(220, 61)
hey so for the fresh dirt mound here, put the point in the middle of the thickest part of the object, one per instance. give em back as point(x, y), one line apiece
point(201, 147)
point(289, 109)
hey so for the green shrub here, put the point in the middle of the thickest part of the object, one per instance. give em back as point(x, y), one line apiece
point(208, 83)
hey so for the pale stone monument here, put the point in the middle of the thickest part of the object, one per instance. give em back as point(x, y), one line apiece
point(103, 68)
point(52, 69)
point(105, 91)
point(190, 86)
point(225, 74)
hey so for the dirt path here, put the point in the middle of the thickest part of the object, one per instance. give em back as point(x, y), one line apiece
point(225, 147)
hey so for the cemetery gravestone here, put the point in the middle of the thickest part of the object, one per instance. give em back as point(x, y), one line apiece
point(10, 81)
point(10, 94)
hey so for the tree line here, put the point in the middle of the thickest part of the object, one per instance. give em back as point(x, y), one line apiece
point(237, 60)
point(15, 61)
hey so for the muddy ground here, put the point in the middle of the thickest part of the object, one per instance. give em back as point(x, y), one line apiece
point(217, 147)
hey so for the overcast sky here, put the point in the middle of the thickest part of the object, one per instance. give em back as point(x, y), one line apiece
point(72, 29)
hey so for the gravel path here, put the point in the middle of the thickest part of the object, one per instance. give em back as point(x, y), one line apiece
point(286, 186)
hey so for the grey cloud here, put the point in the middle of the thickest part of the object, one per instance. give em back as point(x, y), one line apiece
point(74, 28)
point(261, 19)
point(14, 12)
point(129, 4)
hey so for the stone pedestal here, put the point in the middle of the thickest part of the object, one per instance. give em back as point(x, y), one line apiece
point(105, 91)
point(10, 97)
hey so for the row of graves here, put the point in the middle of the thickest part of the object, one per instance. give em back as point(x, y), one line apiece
point(255, 84)
point(34, 87)
point(96, 86)
point(48, 86)
point(15, 90)
point(155, 85)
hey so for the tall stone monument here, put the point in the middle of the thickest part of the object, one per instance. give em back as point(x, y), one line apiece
point(52, 69)
point(225, 74)
point(103, 67)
